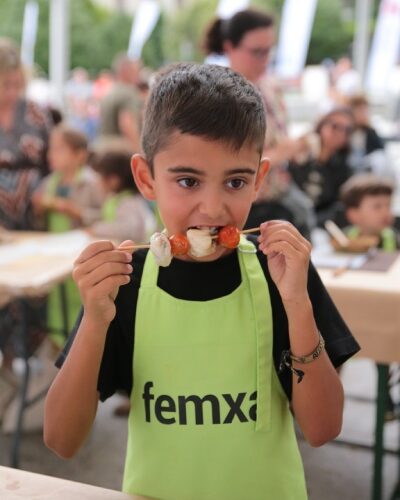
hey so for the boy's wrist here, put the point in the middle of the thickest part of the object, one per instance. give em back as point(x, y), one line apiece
point(94, 323)
point(299, 304)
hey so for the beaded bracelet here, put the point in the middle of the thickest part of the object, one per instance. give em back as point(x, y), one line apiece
point(287, 359)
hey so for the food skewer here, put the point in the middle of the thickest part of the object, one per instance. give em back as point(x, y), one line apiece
point(147, 245)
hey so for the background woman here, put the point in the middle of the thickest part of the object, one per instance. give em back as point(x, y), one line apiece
point(247, 39)
point(321, 175)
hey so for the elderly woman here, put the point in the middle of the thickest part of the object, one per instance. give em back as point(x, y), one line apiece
point(23, 147)
point(321, 174)
point(23, 142)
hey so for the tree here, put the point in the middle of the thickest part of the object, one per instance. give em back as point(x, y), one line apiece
point(331, 35)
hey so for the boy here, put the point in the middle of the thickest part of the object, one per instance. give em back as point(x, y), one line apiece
point(198, 344)
point(367, 201)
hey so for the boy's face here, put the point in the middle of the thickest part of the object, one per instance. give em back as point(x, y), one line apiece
point(373, 215)
point(199, 183)
point(62, 157)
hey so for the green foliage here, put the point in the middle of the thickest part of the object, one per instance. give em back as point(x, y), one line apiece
point(331, 35)
point(185, 29)
point(97, 34)
point(153, 51)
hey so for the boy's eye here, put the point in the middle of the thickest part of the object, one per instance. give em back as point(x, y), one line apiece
point(236, 183)
point(188, 182)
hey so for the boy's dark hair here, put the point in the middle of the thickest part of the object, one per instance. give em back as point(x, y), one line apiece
point(355, 189)
point(234, 29)
point(74, 138)
point(203, 100)
point(118, 164)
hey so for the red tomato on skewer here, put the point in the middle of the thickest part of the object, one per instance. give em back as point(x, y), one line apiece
point(179, 244)
point(229, 236)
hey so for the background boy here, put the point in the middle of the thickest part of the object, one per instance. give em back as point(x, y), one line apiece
point(368, 206)
point(198, 344)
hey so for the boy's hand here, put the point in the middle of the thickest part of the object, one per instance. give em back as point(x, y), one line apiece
point(99, 271)
point(288, 259)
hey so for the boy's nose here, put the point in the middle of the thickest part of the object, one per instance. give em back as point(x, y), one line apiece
point(212, 206)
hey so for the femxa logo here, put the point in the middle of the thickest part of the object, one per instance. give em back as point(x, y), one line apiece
point(168, 410)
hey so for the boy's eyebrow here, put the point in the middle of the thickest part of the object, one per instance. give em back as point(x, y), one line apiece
point(185, 170)
point(195, 171)
point(241, 170)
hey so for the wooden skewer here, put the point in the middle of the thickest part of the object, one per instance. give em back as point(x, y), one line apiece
point(134, 247)
point(147, 245)
point(252, 230)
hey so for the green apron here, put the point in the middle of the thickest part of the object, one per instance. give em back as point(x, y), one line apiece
point(387, 236)
point(200, 371)
point(110, 206)
point(60, 223)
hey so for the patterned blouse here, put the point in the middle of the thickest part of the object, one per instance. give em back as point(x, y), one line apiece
point(23, 151)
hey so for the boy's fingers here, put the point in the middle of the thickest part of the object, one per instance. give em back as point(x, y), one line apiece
point(109, 286)
point(101, 258)
point(93, 249)
point(283, 234)
point(101, 272)
point(126, 243)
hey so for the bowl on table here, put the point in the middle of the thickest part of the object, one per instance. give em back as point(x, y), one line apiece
point(360, 244)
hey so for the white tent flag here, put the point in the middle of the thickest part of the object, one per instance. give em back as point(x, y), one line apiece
point(385, 47)
point(29, 32)
point(227, 8)
point(294, 37)
point(146, 18)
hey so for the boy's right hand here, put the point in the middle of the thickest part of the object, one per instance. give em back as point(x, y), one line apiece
point(99, 271)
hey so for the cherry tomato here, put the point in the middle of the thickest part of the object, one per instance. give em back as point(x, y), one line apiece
point(229, 237)
point(179, 244)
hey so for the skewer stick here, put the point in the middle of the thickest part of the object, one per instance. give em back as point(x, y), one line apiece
point(337, 233)
point(146, 245)
point(252, 230)
point(134, 247)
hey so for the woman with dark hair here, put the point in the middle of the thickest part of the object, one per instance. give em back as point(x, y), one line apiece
point(247, 39)
point(323, 172)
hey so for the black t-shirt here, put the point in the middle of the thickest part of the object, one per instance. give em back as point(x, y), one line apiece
point(207, 281)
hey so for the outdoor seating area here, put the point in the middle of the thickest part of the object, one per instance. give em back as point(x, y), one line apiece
point(200, 250)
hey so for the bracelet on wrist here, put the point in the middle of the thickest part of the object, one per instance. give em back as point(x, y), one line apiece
point(287, 359)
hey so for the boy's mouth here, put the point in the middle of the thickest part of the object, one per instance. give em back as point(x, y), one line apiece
point(213, 230)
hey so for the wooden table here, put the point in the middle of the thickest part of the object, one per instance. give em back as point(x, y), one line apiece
point(17, 484)
point(369, 302)
point(31, 264)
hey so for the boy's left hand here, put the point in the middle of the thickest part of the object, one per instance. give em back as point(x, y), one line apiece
point(288, 255)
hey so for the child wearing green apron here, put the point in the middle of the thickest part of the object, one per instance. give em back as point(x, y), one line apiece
point(211, 349)
point(125, 213)
point(367, 201)
point(69, 198)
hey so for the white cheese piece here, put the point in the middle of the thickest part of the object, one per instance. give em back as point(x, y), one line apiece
point(201, 243)
point(161, 249)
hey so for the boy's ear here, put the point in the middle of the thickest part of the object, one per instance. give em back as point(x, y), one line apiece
point(262, 172)
point(143, 177)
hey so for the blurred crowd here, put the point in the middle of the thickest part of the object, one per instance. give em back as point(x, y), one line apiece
point(70, 168)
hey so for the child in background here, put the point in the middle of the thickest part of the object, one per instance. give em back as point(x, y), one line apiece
point(125, 213)
point(198, 343)
point(367, 200)
point(68, 198)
